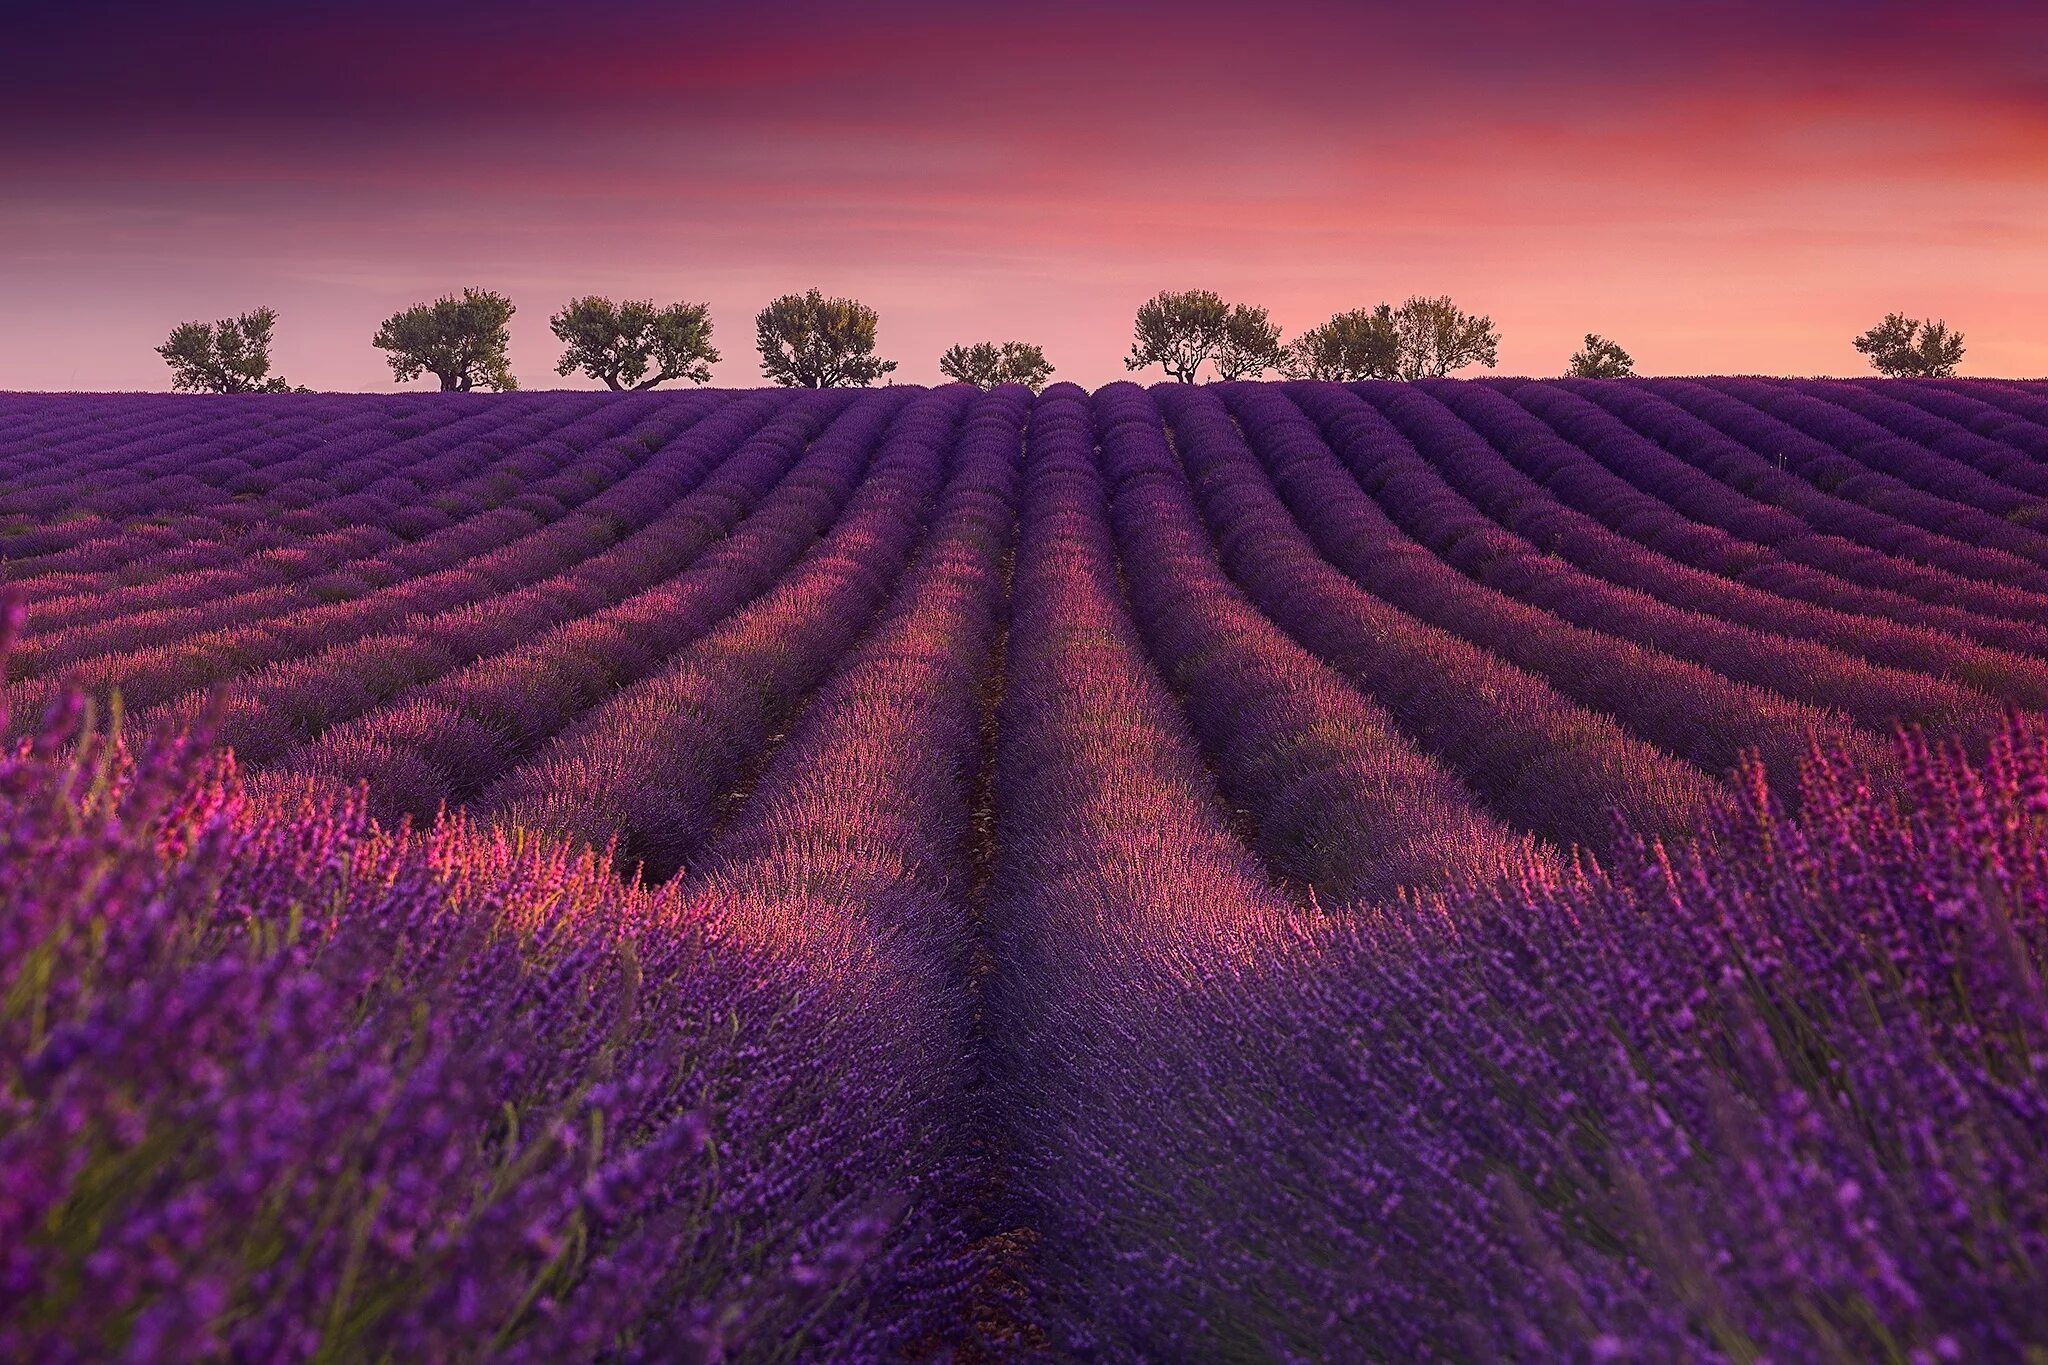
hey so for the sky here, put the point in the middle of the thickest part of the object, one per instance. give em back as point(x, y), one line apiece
point(1721, 187)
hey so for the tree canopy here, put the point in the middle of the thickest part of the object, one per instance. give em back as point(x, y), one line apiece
point(459, 339)
point(229, 356)
point(1250, 345)
point(1178, 331)
point(1361, 344)
point(1423, 338)
point(1437, 337)
point(634, 345)
point(808, 341)
point(987, 364)
point(1600, 358)
point(1901, 347)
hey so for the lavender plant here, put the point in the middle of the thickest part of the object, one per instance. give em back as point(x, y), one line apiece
point(1152, 953)
point(277, 1084)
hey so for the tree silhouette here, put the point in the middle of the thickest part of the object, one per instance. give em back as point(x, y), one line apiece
point(985, 364)
point(229, 356)
point(1438, 337)
point(1907, 347)
point(1600, 359)
point(1361, 344)
point(459, 339)
point(634, 345)
point(808, 341)
point(1250, 344)
point(1177, 332)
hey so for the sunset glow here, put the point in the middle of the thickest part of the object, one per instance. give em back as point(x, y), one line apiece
point(1731, 188)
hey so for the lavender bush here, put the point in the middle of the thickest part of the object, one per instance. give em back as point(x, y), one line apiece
point(1778, 1098)
point(1614, 472)
point(279, 1085)
point(1241, 872)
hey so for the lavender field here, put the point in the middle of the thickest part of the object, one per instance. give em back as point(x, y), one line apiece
point(1454, 870)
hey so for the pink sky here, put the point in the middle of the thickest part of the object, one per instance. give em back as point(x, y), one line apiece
point(1719, 187)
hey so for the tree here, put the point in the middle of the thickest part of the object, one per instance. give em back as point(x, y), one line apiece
point(229, 356)
point(985, 364)
point(1250, 344)
point(1438, 337)
point(1907, 347)
point(620, 343)
point(1364, 343)
point(459, 339)
point(808, 341)
point(1177, 332)
point(1600, 359)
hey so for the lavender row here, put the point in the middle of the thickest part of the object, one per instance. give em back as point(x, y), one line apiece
point(2016, 425)
point(487, 1104)
point(1918, 447)
point(35, 422)
point(1729, 1103)
point(1486, 472)
point(1766, 527)
point(876, 778)
point(1402, 1145)
point(2013, 450)
point(88, 425)
point(2010, 396)
point(513, 644)
point(648, 769)
point(513, 499)
point(147, 561)
point(858, 846)
point(181, 474)
point(1117, 893)
point(536, 468)
point(99, 511)
point(537, 662)
point(1108, 819)
point(1987, 546)
point(219, 432)
point(409, 487)
point(1841, 499)
point(225, 561)
point(1678, 707)
point(256, 456)
point(562, 562)
point(1736, 1102)
point(1415, 495)
point(1339, 798)
point(37, 480)
point(1541, 760)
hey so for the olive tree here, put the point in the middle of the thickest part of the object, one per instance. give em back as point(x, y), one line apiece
point(986, 364)
point(1437, 337)
point(460, 339)
point(634, 345)
point(1180, 332)
point(808, 341)
point(1250, 344)
point(229, 356)
point(1361, 344)
point(1600, 358)
point(1902, 347)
